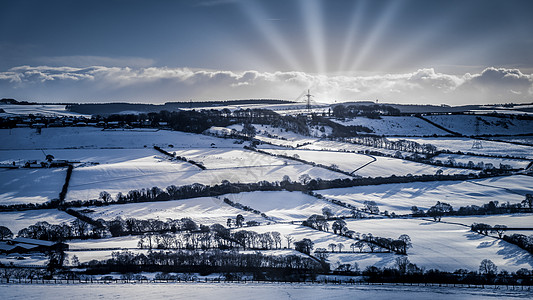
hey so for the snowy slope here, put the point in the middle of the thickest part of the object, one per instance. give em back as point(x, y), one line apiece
point(347, 162)
point(367, 165)
point(446, 247)
point(90, 137)
point(39, 109)
point(465, 159)
point(392, 125)
point(204, 210)
point(465, 145)
point(17, 220)
point(287, 206)
point(466, 124)
point(30, 185)
point(88, 182)
point(321, 239)
point(399, 198)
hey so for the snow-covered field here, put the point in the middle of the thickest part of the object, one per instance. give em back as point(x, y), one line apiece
point(91, 137)
point(230, 158)
point(511, 220)
point(321, 239)
point(88, 182)
point(518, 139)
point(30, 185)
point(399, 198)
point(259, 291)
point(366, 165)
point(391, 125)
point(466, 124)
point(465, 159)
point(286, 206)
point(347, 162)
point(444, 246)
point(205, 210)
point(38, 110)
point(17, 220)
point(465, 145)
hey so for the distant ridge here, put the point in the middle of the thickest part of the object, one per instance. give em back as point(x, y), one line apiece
point(115, 108)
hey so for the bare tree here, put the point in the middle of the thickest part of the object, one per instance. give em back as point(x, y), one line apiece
point(499, 229)
point(289, 239)
point(5, 233)
point(487, 267)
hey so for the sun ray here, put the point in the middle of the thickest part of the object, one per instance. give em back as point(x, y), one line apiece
point(378, 30)
point(314, 24)
point(352, 33)
point(260, 20)
point(421, 38)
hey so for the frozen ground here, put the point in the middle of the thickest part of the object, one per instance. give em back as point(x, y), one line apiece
point(20, 186)
point(391, 125)
point(399, 198)
point(245, 291)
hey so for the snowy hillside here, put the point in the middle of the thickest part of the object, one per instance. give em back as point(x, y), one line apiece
point(395, 126)
point(466, 124)
point(91, 137)
point(399, 198)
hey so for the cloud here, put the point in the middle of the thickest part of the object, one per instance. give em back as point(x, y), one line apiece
point(159, 84)
point(88, 60)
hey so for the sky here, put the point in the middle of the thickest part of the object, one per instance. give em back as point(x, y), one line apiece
point(398, 51)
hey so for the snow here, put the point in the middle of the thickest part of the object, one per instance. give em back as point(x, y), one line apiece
point(106, 243)
point(19, 186)
point(87, 182)
point(464, 159)
point(230, 158)
point(444, 246)
point(279, 136)
point(522, 139)
point(90, 137)
point(466, 124)
point(17, 220)
point(321, 239)
point(368, 165)
point(395, 125)
point(39, 109)
point(205, 210)
point(399, 198)
point(258, 291)
point(101, 156)
point(347, 162)
point(510, 220)
point(286, 206)
point(465, 145)
point(387, 166)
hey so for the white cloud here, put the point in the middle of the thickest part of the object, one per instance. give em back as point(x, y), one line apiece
point(159, 84)
point(89, 60)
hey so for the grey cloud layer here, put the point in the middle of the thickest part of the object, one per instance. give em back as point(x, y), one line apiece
point(158, 84)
